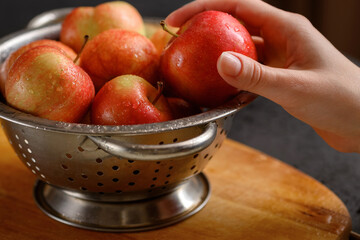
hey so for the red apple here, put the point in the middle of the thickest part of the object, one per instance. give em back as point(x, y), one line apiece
point(5, 67)
point(188, 64)
point(93, 20)
point(126, 100)
point(118, 52)
point(46, 83)
point(181, 108)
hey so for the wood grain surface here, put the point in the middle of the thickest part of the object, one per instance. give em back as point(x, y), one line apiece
point(254, 196)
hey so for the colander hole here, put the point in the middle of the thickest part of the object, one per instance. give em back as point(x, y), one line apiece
point(98, 160)
point(115, 168)
point(161, 143)
point(131, 183)
point(29, 150)
point(171, 167)
point(154, 179)
point(64, 166)
point(136, 172)
point(68, 155)
point(99, 173)
point(26, 141)
point(168, 175)
point(100, 184)
point(29, 164)
point(206, 155)
point(118, 191)
point(101, 193)
point(194, 166)
point(152, 185)
point(24, 155)
point(225, 118)
point(37, 168)
point(157, 170)
point(210, 158)
point(130, 161)
point(216, 145)
point(42, 175)
point(33, 171)
point(83, 188)
point(158, 162)
point(70, 179)
point(115, 179)
point(33, 159)
point(163, 188)
point(16, 136)
point(84, 175)
point(175, 140)
point(166, 182)
point(80, 149)
point(20, 146)
point(10, 142)
point(222, 131)
point(196, 155)
point(196, 171)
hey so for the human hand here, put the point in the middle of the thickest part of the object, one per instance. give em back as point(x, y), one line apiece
point(301, 71)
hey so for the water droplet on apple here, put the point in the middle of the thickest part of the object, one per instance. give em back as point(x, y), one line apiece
point(236, 29)
point(179, 61)
point(227, 26)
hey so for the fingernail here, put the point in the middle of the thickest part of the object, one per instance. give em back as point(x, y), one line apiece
point(229, 64)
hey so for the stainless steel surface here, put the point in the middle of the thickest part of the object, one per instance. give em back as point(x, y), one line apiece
point(114, 169)
point(157, 152)
point(161, 211)
point(48, 18)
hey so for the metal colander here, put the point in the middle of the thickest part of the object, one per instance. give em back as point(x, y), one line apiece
point(116, 178)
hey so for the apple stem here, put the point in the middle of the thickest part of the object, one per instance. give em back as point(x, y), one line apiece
point(166, 29)
point(86, 39)
point(160, 88)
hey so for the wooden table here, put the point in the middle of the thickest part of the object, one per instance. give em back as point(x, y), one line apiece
point(254, 196)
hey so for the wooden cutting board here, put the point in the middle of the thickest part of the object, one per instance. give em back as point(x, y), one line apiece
point(254, 196)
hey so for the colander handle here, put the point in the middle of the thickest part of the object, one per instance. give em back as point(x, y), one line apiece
point(143, 152)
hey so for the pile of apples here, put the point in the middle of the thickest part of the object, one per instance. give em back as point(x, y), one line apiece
point(123, 75)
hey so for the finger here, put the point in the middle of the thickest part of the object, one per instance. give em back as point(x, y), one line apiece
point(254, 13)
point(244, 73)
point(259, 45)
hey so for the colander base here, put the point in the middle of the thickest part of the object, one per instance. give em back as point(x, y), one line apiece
point(130, 216)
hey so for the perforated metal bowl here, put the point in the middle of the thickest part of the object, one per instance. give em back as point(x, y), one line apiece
point(116, 178)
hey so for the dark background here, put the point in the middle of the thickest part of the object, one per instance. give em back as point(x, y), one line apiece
point(262, 125)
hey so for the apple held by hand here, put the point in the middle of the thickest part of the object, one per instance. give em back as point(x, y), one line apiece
point(118, 52)
point(46, 83)
point(5, 67)
point(127, 100)
point(188, 64)
point(93, 20)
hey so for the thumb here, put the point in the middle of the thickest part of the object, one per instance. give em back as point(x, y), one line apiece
point(247, 74)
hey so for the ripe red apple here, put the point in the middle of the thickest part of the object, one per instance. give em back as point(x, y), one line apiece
point(129, 99)
point(5, 67)
point(46, 83)
point(118, 52)
point(93, 20)
point(181, 108)
point(188, 64)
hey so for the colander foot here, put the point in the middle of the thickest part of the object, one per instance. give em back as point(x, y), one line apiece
point(130, 216)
